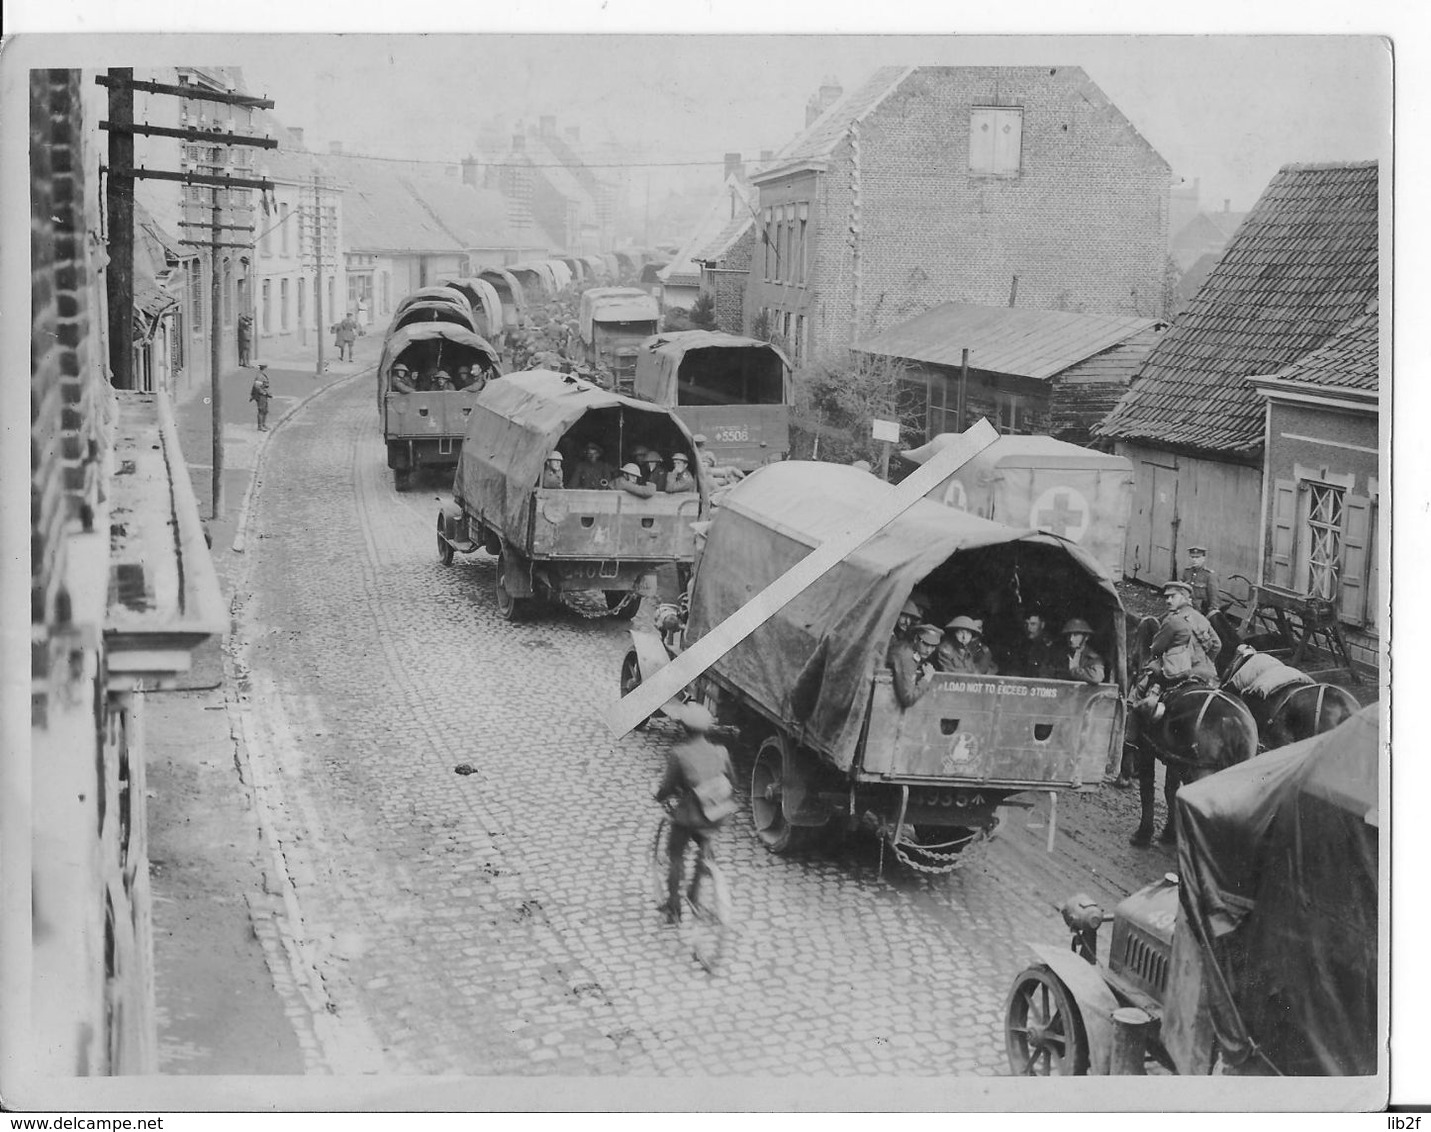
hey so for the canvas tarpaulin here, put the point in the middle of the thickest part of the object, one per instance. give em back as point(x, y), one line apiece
point(443, 332)
point(1278, 860)
point(615, 304)
point(658, 367)
point(515, 423)
point(812, 662)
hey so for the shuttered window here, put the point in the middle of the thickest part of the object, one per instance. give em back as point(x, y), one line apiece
point(996, 140)
point(1284, 530)
point(1355, 572)
point(1323, 544)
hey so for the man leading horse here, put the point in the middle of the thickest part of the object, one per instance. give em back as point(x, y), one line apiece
point(1179, 715)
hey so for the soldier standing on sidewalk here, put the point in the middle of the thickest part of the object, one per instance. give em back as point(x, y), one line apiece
point(260, 394)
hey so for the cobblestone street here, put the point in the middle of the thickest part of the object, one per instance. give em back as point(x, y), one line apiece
point(500, 922)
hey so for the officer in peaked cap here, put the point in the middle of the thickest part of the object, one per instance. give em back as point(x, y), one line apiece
point(1205, 584)
point(910, 664)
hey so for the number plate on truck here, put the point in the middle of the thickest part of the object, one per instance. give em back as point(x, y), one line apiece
point(730, 434)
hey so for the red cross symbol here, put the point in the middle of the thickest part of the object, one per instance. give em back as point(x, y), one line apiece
point(1060, 519)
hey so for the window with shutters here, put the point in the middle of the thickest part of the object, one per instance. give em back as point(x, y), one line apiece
point(1322, 544)
point(283, 304)
point(266, 311)
point(770, 234)
point(996, 140)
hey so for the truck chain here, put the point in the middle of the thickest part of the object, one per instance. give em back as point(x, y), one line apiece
point(973, 850)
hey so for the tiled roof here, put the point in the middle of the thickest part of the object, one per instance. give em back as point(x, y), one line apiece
point(1303, 265)
point(1349, 361)
point(818, 140)
point(683, 271)
point(380, 210)
point(727, 237)
point(477, 218)
point(1020, 341)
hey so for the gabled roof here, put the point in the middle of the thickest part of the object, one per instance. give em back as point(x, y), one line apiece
point(1302, 266)
point(380, 209)
point(1020, 341)
point(1350, 360)
point(719, 247)
point(477, 218)
point(819, 139)
point(683, 271)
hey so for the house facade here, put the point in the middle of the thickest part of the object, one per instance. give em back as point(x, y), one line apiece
point(1324, 523)
point(122, 589)
point(1302, 266)
point(983, 185)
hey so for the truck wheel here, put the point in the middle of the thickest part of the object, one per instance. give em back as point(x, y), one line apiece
point(444, 548)
point(767, 792)
point(614, 598)
point(509, 608)
point(1043, 1031)
point(631, 680)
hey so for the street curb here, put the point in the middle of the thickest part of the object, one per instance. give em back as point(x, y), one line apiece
point(241, 530)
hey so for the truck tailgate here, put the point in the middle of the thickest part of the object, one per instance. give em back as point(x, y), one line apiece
point(428, 415)
point(745, 436)
point(994, 730)
point(613, 524)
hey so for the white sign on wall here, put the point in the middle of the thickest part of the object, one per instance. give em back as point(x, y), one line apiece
point(885, 430)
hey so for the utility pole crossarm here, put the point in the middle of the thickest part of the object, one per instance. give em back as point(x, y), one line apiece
point(142, 174)
point(189, 134)
point(197, 93)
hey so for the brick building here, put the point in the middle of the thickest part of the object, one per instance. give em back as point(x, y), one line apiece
point(970, 184)
point(122, 588)
point(1301, 268)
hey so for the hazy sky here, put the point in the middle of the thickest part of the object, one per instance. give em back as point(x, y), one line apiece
point(1227, 109)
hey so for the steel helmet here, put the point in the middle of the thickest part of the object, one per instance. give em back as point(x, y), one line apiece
point(631, 470)
point(554, 456)
point(964, 622)
point(910, 610)
point(1077, 625)
point(697, 717)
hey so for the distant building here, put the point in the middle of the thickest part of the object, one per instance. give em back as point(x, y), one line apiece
point(980, 185)
point(1205, 234)
point(1300, 270)
point(727, 217)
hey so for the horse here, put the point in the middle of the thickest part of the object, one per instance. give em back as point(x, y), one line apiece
point(1202, 730)
point(1287, 704)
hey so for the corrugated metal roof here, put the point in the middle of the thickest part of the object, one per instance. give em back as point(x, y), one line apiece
point(1020, 341)
point(1302, 266)
point(1351, 360)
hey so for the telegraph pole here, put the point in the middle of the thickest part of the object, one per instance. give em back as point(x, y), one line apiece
point(120, 204)
point(318, 266)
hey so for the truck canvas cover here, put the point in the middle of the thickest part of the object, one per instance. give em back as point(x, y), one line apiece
point(812, 663)
point(616, 304)
point(444, 332)
point(1041, 482)
point(1278, 866)
point(658, 366)
point(514, 424)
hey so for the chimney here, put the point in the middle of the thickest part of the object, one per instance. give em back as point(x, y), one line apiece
point(519, 143)
point(295, 137)
point(471, 171)
point(828, 94)
point(548, 125)
point(734, 166)
point(1226, 204)
point(335, 147)
point(573, 134)
point(766, 154)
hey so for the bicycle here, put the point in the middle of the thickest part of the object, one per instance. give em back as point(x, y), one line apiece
point(706, 910)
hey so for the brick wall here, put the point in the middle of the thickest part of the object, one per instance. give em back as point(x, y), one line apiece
point(728, 284)
point(67, 384)
point(1083, 225)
